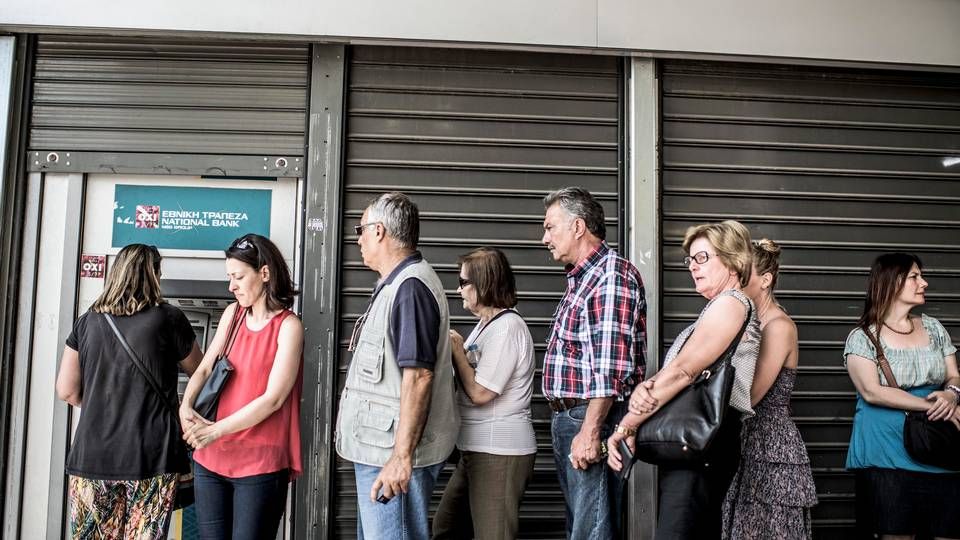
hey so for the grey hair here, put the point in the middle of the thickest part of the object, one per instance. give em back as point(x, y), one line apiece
point(579, 203)
point(399, 216)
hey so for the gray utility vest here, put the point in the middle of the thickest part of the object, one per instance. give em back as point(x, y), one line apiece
point(370, 404)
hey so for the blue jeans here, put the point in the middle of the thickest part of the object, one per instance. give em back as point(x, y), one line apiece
point(405, 517)
point(247, 508)
point(593, 496)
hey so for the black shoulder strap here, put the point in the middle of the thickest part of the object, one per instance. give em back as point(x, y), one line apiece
point(233, 330)
point(140, 367)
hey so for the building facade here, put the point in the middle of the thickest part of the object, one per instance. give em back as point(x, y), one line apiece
point(832, 129)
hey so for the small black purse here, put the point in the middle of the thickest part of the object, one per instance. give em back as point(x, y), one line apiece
point(931, 442)
point(681, 431)
point(209, 396)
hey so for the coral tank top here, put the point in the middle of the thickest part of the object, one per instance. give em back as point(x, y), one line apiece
point(273, 444)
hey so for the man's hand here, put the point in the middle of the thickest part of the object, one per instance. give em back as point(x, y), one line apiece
point(585, 449)
point(393, 478)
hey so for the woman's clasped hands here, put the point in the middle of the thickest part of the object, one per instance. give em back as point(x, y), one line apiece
point(198, 432)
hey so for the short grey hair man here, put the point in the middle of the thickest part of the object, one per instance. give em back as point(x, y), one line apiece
point(580, 203)
point(399, 216)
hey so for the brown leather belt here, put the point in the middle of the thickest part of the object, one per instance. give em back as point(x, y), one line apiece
point(565, 404)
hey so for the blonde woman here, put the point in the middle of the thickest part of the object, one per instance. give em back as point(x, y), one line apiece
point(691, 495)
point(127, 453)
point(772, 492)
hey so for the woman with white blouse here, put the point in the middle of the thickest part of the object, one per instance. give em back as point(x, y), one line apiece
point(494, 366)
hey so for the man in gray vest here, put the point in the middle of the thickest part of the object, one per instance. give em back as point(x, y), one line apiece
point(398, 420)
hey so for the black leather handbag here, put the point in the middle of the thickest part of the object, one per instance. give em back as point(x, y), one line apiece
point(681, 431)
point(184, 496)
point(931, 442)
point(209, 396)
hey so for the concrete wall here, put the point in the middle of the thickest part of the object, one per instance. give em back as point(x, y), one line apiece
point(889, 31)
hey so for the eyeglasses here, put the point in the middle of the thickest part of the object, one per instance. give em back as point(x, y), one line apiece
point(701, 257)
point(463, 282)
point(357, 329)
point(359, 228)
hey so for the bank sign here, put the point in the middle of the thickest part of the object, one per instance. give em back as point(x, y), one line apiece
point(194, 218)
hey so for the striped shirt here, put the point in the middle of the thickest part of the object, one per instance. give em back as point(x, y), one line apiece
point(596, 346)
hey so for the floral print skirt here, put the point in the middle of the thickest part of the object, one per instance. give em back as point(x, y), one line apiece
point(121, 509)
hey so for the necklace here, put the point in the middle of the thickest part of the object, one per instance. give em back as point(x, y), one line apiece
point(895, 331)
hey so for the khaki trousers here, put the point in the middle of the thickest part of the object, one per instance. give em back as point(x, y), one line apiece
point(482, 499)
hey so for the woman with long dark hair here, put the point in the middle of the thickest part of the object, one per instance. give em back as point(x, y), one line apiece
point(898, 497)
point(127, 454)
point(247, 456)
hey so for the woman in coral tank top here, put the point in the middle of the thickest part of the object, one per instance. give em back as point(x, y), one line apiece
point(245, 459)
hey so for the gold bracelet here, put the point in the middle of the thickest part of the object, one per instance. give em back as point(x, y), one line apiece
point(628, 431)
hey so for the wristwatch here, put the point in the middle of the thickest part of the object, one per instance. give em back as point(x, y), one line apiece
point(955, 389)
point(630, 432)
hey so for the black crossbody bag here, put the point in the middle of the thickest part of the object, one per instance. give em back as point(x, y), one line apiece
point(209, 396)
point(184, 496)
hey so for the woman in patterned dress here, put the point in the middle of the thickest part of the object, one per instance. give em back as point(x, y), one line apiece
point(691, 495)
point(126, 456)
point(898, 497)
point(771, 495)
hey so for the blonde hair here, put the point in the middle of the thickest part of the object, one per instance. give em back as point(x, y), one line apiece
point(731, 240)
point(133, 283)
point(766, 259)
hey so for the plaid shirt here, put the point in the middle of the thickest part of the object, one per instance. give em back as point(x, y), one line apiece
point(596, 347)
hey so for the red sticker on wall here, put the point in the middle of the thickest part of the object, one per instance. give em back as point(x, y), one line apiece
point(93, 266)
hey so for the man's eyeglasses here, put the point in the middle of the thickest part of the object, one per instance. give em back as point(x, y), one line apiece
point(357, 329)
point(701, 257)
point(359, 228)
point(463, 282)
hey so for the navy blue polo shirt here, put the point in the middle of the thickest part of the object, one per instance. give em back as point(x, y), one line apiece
point(414, 319)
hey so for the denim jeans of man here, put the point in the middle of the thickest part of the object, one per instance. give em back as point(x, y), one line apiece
point(406, 516)
point(592, 496)
point(248, 508)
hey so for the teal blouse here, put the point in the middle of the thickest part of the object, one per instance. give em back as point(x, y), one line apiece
point(877, 438)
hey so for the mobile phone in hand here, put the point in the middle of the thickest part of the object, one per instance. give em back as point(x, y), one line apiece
point(626, 460)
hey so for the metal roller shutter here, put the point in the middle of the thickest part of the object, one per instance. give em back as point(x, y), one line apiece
point(477, 139)
point(156, 95)
point(838, 166)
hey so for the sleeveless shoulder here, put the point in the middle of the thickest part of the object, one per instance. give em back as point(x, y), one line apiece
point(738, 294)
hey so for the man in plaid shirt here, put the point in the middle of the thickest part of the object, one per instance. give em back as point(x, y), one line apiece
point(594, 358)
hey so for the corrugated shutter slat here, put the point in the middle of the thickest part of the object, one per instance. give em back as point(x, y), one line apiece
point(103, 94)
